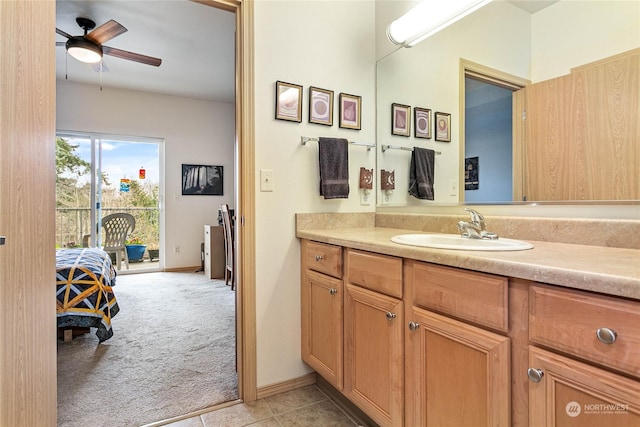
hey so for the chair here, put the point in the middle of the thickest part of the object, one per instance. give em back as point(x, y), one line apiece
point(117, 227)
point(229, 248)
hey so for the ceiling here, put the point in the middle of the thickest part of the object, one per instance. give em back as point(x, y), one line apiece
point(532, 6)
point(195, 42)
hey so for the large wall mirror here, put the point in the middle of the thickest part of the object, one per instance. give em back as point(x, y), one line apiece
point(502, 39)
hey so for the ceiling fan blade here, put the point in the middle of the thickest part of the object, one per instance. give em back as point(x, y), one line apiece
point(106, 32)
point(62, 33)
point(137, 57)
point(61, 43)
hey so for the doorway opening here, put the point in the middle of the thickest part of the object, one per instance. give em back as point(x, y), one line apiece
point(488, 157)
point(99, 175)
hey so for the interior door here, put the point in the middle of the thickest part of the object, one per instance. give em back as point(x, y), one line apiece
point(27, 259)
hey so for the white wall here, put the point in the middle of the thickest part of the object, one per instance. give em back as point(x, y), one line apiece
point(328, 44)
point(194, 131)
point(572, 33)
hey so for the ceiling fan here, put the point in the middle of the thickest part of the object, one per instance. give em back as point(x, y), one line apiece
point(89, 48)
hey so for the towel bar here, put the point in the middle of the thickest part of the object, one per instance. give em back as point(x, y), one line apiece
point(305, 139)
point(397, 147)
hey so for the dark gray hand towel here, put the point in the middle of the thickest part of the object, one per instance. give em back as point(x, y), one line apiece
point(333, 154)
point(421, 172)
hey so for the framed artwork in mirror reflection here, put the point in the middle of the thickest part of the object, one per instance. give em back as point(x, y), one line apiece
point(400, 119)
point(422, 122)
point(288, 102)
point(350, 106)
point(443, 127)
point(320, 106)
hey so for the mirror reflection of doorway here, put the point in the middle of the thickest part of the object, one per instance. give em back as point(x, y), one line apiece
point(98, 175)
point(488, 165)
point(488, 148)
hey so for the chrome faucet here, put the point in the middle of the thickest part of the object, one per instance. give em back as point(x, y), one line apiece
point(474, 229)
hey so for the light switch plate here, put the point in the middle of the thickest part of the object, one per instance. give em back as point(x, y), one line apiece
point(453, 187)
point(266, 180)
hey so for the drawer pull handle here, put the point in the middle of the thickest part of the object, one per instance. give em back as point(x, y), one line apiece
point(413, 326)
point(390, 315)
point(333, 291)
point(535, 375)
point(319, 258)
point(606, 335)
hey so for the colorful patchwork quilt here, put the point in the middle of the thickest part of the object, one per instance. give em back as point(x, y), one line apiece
point(84, 295)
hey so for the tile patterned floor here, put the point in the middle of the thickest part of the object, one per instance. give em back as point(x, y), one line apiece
point(304, 407)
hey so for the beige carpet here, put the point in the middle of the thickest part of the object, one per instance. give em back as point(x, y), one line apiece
point(172, 352)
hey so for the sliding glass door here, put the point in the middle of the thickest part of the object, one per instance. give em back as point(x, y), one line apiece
point(98, 175)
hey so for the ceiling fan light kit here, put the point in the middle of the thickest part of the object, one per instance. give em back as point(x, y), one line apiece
point(84, 50)
point(89, 47)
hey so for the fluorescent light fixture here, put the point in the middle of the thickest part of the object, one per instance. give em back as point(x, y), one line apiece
point(429, 17)
point(84, 50)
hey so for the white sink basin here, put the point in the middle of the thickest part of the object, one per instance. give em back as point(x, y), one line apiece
point(455, 241)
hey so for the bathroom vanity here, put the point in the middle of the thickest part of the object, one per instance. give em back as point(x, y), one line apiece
point(419, 336)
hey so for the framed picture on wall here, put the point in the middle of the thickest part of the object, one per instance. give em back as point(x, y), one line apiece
point(288, 102)
point(443, 127)
point(350, 107)
point(320, 106)
point(422, 122)
point(202, 180)
point(400, 119)
point(471, 173)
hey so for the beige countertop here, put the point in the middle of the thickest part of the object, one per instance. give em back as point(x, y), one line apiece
point(613, 271)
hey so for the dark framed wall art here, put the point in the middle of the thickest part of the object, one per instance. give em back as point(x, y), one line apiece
point(443, 127)
point(422, 122)
point(320, 106)
point(202, 180)
point(350, 107)
point(400, 119)
point(288, 102)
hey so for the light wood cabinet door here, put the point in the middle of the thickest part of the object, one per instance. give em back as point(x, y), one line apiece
point(374, 354)
point(571, 393)
point(456, 374)
point(582, 133)
point(322, 324)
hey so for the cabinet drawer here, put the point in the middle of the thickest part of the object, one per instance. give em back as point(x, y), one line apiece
point(570, 321)
point(323, 258)
point(477, 297)
point(380, 273)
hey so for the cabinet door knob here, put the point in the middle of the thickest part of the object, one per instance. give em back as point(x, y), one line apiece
point(535, 374)
point(319, 258)
point(390, 315)
point(333, 291)
point(606, 335)
point(413, 326)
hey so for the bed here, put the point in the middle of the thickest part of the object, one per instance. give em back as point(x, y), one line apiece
point(84, 294)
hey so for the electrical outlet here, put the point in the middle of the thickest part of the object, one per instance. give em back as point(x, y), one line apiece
point(365, 198)
point(453, 187)
point(266, 180)
point(176, 249)
point(384, 198)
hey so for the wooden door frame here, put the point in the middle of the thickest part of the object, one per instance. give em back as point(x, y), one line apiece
point(498, 78)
